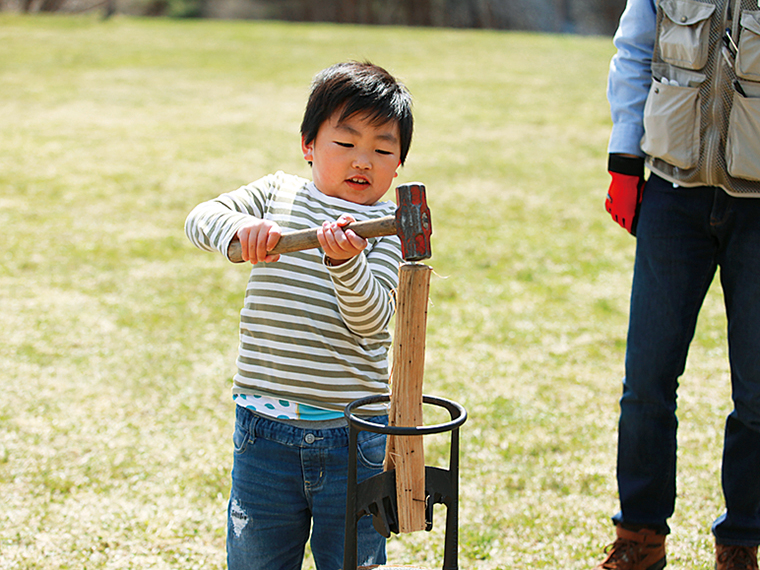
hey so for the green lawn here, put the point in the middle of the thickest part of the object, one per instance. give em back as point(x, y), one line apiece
point(118, 338)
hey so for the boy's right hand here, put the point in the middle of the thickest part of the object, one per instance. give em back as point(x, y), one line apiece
point(257, 238)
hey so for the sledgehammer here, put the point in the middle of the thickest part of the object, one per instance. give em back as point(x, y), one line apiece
point(411, 223)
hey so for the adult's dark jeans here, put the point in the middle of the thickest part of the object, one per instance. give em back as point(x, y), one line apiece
point(683, 236)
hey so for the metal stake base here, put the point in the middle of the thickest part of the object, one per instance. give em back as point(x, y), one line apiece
point(377, 495)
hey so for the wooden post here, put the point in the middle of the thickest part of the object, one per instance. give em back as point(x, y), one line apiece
point(406, 454)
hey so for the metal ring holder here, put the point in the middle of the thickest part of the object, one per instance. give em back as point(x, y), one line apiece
point(377, 495)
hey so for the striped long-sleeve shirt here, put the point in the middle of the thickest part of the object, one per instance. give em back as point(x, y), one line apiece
point(309, 333)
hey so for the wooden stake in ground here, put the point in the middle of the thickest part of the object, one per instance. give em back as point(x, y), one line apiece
point(406, 454)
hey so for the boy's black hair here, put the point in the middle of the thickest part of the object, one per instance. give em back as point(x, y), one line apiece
point(364, 88)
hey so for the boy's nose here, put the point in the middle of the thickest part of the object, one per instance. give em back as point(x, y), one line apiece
point(362, 160)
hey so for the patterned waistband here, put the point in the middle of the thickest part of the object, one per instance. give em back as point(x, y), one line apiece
point(306, 424)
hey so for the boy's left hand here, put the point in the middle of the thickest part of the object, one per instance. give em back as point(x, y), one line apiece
point(339, 245)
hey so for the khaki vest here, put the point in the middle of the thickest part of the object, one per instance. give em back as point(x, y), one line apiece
point(702, 115)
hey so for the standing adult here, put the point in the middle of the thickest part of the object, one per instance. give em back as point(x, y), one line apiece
point(684, 91)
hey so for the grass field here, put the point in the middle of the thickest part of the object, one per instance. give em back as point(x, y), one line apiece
point(118, 339)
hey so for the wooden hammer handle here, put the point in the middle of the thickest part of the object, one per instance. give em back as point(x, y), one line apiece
point(307, 239)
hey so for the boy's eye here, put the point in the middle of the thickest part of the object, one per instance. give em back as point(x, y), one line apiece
point(344, 144)
point(384, 152)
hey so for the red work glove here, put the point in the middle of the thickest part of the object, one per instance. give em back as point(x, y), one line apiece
point(626, 189)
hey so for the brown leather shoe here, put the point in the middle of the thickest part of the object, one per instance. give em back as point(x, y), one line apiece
point(635, 550)
point(728, 557)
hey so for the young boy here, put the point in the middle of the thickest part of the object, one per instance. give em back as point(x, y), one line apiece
point(314, 328)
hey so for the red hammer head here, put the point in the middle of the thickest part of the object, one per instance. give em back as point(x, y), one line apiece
point(413, 224)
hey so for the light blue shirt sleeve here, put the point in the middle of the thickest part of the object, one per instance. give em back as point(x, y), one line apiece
point(630, 75)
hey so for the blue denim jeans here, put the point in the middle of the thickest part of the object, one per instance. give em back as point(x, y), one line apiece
point(684, 235)
point(288, 481)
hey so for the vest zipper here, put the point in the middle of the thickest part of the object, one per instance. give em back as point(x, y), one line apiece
point(712, 134)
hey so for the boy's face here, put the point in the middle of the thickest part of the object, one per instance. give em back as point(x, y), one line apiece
point(354, 160)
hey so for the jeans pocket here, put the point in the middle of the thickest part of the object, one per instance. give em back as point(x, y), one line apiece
point(743, 141)
point(371, 449)
point(672, 119)
point(241, 438)
point(684, 32)
point(748, 53)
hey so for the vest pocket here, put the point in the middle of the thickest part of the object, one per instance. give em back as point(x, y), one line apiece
point(743, 142)
point(743, 138)
point(684, 32)
point(748, 55)
point(671, 116)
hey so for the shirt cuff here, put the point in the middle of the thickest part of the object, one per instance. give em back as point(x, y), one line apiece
point(343, 267)
point(626, 139)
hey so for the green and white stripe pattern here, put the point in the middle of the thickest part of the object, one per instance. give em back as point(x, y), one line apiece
point(309, 333)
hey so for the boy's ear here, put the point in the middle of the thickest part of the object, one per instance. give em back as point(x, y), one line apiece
point(308, 149)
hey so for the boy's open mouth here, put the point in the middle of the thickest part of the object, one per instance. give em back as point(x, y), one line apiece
point(360, 181)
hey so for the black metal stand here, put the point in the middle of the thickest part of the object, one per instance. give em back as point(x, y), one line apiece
point(377, 495)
